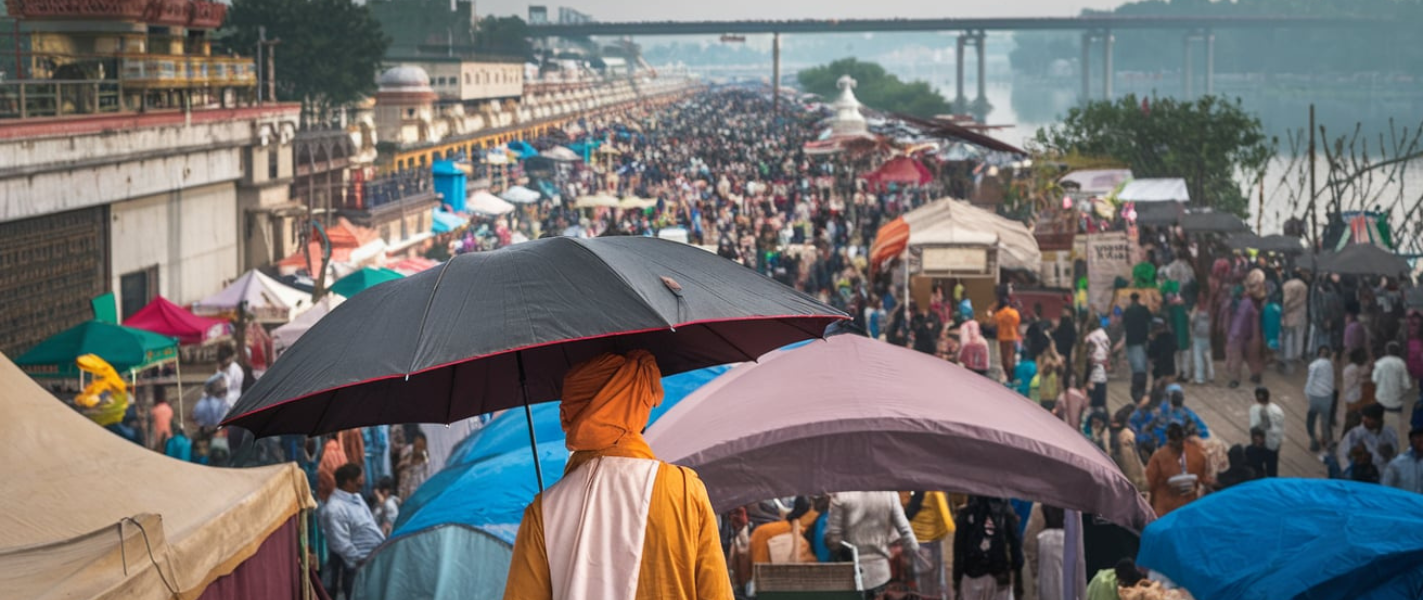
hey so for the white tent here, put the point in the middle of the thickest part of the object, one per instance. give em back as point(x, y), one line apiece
point(1097, 182)
point(562, 154)
point(266, 298)
point(952, 221)
point(1155, 190)
point(488, 204)
point(283, 337)
point(521, 195)
point(88, 514)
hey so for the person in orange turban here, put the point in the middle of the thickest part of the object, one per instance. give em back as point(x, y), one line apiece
point(620, 524)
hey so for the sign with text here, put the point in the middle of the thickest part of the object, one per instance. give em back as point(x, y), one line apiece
point(1108, 257)
point(950, 260)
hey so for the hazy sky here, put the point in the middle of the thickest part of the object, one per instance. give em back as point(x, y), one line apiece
point(646, 10)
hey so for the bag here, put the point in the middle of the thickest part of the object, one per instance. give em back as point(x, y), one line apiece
point(986, 532)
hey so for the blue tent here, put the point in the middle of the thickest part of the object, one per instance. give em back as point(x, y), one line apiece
point(489, 478)
point(447, 562)
point(1302, 539)
point(523, 149)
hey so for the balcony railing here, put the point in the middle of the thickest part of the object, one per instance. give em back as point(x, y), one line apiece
point(137, 72)
point(53, 98)
point(375, 193)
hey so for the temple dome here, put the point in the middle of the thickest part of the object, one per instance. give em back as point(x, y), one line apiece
point(404, 79)
point(847, 120)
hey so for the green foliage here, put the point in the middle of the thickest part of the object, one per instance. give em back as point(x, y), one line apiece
point(330, 50)
point(876, 88)
point(504, 36)
point(1206, 142)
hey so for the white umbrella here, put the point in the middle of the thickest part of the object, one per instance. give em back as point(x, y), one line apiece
point(561, 153)
point(598, 200)
point(485, 203)
point(521, 195)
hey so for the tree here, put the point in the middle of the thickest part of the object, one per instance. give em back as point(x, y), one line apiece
point(507, 36)
point(875, 88)
point(1206, 142)
point(330, 51)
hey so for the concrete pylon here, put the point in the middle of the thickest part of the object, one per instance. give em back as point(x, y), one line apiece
point(1086, 67)
point(959, 99)
point(1107, 72)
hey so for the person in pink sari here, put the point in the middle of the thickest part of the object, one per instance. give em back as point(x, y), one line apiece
point(973, 350)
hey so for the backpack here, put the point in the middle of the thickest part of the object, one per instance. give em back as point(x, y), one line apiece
point(985, 532)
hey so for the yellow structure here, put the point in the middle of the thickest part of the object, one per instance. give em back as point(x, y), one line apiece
point(104, 400)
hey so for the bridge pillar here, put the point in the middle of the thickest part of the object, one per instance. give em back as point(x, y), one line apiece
point(1187, 76)
point(982, 70)
point(1107, 72)
point(1086, 66)
point(1210, 63)
point(775, 75)
point(959, 99)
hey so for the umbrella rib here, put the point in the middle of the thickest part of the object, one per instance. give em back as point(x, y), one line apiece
point(430, 302)
point(747, 355)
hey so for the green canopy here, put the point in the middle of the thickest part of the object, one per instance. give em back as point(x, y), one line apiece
point(362, 280)
point(125, 348)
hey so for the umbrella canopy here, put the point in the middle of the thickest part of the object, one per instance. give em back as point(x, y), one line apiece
point(561, 154)
point(1284, 244)
point(165, 318)
point(1293, 538)
point(1363, 259)
point(901, 170)
point(494, 330)
point(125, 348)
point(598, 200)
point(635, 203)
point(1212, 222)
point(362, 280)
point(266, 298)
point(488, 204)
point(521, 195)
point(852, 413)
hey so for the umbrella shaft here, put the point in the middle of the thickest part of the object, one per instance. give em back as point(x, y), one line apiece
point(529, 419)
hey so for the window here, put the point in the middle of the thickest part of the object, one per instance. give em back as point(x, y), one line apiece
point(466, 78)
point(137, 289)
point(410, 113)
point(272, 162)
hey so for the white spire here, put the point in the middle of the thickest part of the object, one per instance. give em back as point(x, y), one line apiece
point(848, 120)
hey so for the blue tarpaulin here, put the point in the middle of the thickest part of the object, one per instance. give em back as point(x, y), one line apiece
point(523, 149)
point(1302, 539)
point(444, 222)
point(489, 478)
point(452, 562)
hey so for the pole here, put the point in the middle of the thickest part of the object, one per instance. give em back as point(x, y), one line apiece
point(1107, 65)
point(19, 61)
point(261, 43)
point(1086, 66)
point(959, 98)
point(982, 69)
point(1313, 218)
point(1210, 63)
point(1186, 67)
point(775, 75)
point(529, 419)
point(271, 72)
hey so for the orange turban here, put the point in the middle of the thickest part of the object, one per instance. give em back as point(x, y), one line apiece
point(607, 400)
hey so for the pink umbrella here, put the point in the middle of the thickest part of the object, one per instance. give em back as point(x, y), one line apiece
point(851, 413)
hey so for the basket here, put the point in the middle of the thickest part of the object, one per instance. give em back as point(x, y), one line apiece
point(809, 577)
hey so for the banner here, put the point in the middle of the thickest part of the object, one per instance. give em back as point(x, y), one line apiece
point(1108, 257)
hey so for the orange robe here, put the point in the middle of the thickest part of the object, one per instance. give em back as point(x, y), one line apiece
point(1165, 464)
point(605, 407)
point(761, 539)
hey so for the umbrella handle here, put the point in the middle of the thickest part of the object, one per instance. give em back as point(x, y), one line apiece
point(529, 418)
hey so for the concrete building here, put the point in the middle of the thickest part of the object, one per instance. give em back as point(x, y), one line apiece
point(131, 156)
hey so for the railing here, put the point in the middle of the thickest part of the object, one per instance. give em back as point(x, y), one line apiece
point(149, 70)
point(53, 98)
point(394, 188)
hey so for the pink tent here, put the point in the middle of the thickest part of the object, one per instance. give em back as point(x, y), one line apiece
point(850, 414)
point(903, 171)
point(164, 317)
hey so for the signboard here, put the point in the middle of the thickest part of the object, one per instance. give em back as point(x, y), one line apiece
point(956, 260)
point(1056, 269)
point(1108, 257)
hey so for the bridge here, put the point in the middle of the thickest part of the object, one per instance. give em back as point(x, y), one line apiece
point(1094, 28)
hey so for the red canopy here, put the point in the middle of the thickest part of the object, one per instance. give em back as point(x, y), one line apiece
point(164, 317)
point(902, 170)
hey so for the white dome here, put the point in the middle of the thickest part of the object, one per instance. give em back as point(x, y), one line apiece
point(404, 78)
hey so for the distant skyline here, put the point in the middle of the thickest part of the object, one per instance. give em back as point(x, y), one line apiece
point(721, 10)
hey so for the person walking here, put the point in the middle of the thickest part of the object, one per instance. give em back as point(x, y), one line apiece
point(1007, 320)
point(1136, 320)
point(1294, 319)
point(1177, 472)
point(973, 352)
point(1270, 418)
point(870, 521)
point(1371, 434)
point(620, 524)
point(1201, 352)
point(988, 551)
point(1244, 331)
point(1391, 384)
point(350, 528)
point(1064, 336)
point(1405, 471)
point(1319, 389)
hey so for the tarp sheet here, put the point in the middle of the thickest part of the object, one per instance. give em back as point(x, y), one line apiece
point(286, 335)
point(1155, 190)
point(1097, 182)
point(450, 562)
point(1293, 538)
point(165, 318)
point(69, 484)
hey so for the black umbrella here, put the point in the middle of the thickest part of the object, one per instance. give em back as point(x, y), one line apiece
point(1363, 259)
point(1284, 244)
point(1212, 222)
point(494, 330)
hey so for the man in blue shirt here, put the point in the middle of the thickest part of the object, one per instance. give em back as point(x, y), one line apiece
point(1405, 472)
point(1176, 412)
point(350, 528)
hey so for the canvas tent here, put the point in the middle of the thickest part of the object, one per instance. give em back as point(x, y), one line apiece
point(450, 561)
point(266, 298)
point(953, 221)
point(83, 509)
point(165, 318)
point(1156, 201)
point(125, 348)
point(283, 337)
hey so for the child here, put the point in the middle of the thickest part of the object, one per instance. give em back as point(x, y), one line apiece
point(1269, 418)
point(387, 508)
point(1361, 465)
point(1319, 389)
point(1257, 456)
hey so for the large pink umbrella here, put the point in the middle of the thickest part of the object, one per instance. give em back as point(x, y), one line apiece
point(850, 413)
